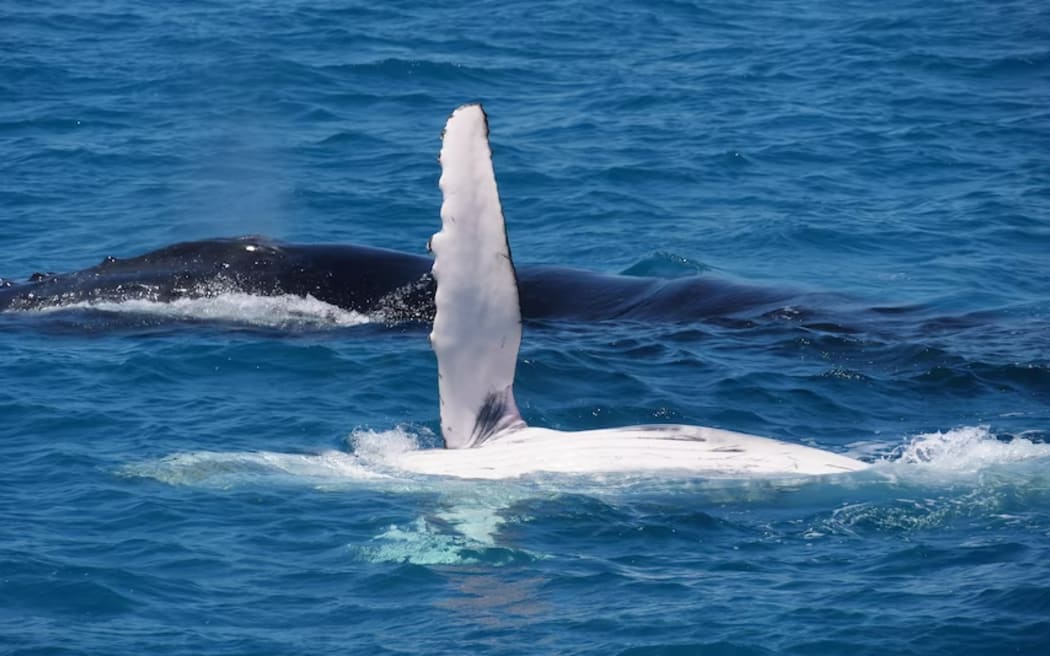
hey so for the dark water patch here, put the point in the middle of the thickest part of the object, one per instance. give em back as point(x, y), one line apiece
point(58, 589)
point(717, 648)
point(972, 378)
point(358, 139)
point(1029, 600)
point(925, 558)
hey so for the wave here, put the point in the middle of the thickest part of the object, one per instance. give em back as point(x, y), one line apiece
point(663, 264)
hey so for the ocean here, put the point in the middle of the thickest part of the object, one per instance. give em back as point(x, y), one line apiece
point(202, 476)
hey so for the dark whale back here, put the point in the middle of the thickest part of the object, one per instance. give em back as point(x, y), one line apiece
point(358, 278)
point(394, 285)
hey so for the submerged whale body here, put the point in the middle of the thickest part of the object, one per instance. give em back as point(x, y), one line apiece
point(476, 335)
point(394, 285)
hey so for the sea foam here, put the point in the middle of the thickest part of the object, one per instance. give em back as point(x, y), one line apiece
point(284, 311)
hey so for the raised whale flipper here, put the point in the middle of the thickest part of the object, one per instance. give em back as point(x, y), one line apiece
point(477, 320)
point(476, 335)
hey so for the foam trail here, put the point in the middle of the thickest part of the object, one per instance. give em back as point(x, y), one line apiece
point(225, 469)
point(286, 311)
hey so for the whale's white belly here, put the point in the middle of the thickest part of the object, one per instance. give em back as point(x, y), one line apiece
point(669, 448)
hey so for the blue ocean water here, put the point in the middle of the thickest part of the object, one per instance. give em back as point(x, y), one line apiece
point(196, 478)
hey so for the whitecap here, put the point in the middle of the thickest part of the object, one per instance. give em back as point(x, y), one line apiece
point(965, 450)
point(284, 311)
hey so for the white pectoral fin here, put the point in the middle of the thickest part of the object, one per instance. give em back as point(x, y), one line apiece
point(477, 323)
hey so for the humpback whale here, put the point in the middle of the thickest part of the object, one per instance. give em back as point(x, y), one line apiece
point(392, 285)
point(358, 278)
point(476, 335)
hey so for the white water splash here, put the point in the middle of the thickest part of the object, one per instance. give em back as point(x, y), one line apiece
point(224, 469)
point(940, 478)
point(285, 311)
point(379, 447)
point(965, 450)
point(367, 461)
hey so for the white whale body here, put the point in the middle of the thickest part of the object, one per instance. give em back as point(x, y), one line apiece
point(476, 335)
point(669, 448)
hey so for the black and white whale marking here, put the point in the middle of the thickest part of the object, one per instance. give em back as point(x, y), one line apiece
point(476, 333)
